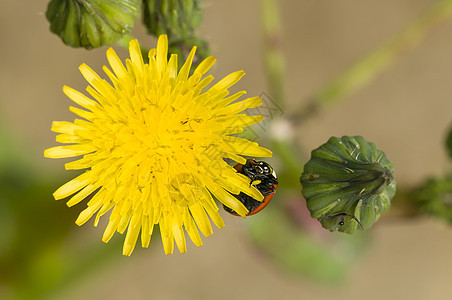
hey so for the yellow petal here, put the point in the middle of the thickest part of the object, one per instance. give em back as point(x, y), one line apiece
point(227, 199)
point(73, 186)
point(240, 106)
point(85, 192)
point(132, 235)
point(201, 219)
point(227, 82)
point(185, 70)
point(146, 231)
point(67, 138)
point(86, 214)
point(115, 64)
point(79, 98)
point(245, 147)
point(111, 228)
point(179, 237)
point(82, 113)
point(68, 151)
point(66, 127)
point(191, 228)
point(205, 65)
point(162, 52)
point(135, 54)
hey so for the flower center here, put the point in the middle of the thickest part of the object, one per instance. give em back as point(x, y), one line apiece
point(184, 191)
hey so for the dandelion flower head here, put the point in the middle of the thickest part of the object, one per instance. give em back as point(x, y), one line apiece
point(152, 145)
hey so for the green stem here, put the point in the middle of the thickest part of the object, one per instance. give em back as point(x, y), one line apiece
point(274, 62)
point(362, 72)
point(273, 54)
point(402, 205)
point(290, 157)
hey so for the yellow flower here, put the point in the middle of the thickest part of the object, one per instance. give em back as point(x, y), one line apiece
point(153, 147)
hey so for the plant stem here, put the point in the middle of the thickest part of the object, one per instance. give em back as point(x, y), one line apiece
point(289, 154)
point(362, 72)
point(274, 63)
point(275, 66)
point(402, 205)
point(273, 55)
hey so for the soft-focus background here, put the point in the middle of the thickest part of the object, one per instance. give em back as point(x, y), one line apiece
point(405, 111)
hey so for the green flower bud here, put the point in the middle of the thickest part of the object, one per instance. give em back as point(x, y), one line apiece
point(435, 197)
point(178, 19)
point(92, 23)
point(348, 183)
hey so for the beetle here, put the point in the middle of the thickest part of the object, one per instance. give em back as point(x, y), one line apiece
point(263, 177)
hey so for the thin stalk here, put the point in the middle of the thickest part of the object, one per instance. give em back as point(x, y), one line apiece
point(365, 70)
point(274, 61)
point(289, 154)
point(275, 69)
point(402, 205)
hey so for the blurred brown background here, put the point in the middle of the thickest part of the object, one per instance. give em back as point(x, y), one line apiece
point(405, 111)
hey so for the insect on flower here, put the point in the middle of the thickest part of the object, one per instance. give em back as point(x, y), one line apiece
point(263, 177)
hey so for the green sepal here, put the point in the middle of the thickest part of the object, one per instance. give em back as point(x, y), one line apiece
point(92, 23)
point(348, 183)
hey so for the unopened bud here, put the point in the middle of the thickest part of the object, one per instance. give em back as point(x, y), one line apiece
point(92, 23)
point(347, 183)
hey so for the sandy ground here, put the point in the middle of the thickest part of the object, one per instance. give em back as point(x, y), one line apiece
point(405, 111)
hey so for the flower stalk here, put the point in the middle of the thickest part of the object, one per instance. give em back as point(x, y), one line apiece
point(274, 61)
point(366, 69)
